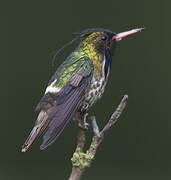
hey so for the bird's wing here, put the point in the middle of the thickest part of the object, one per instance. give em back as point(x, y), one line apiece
point(69, 69)
point(59, 109)
point(67, 102)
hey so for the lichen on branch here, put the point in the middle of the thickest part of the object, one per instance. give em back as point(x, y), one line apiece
point(81, 160)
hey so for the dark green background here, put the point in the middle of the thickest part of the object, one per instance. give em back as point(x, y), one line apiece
point(138, 147)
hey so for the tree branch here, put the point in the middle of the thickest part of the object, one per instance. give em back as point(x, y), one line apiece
point(81, 159)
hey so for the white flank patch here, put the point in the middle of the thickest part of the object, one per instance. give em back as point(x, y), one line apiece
point(52, 89)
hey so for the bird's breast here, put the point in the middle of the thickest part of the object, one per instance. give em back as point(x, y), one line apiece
point(96, 89)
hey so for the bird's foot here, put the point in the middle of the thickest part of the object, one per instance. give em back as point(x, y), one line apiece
point(83, 123)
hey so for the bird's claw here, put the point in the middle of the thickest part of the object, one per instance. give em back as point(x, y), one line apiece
point(83, 123)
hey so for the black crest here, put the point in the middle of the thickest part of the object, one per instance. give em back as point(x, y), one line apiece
point(80, 36)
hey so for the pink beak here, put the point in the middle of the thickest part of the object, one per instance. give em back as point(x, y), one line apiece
point(122, 35)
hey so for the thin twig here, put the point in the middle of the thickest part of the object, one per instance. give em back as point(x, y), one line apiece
point(116, 114)
point(95, 126)
point(81, 159)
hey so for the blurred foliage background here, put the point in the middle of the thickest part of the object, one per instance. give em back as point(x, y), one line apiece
point(138, 147)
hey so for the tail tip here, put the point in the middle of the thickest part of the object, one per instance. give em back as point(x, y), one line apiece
point(24, 148)
point(42, 147)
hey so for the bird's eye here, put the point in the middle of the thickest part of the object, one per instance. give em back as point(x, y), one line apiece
point(104, 38)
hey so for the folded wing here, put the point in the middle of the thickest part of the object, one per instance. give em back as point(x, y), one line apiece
point(57, 111)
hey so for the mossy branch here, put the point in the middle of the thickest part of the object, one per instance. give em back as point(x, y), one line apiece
point(82, 159)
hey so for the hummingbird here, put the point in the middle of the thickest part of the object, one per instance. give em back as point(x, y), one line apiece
point(76, 85)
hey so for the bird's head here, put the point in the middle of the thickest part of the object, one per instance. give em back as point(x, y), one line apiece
point(102, 39)
point(97, 40)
